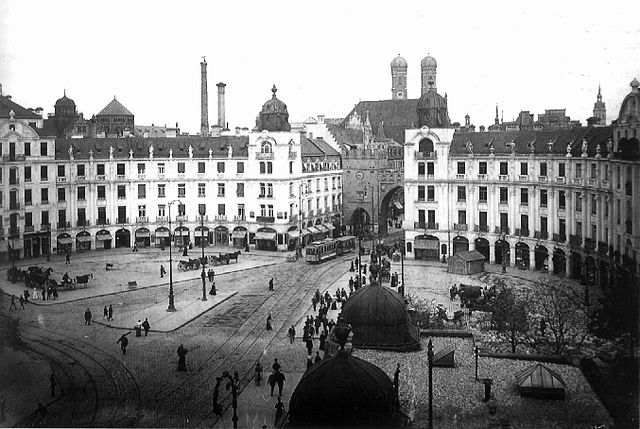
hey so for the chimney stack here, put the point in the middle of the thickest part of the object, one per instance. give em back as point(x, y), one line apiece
point(221, 107)
point(204, 100)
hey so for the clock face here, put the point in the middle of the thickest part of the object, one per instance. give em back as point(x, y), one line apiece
point(359, 175)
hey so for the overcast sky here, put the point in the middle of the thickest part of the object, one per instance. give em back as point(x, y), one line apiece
point(323, 56)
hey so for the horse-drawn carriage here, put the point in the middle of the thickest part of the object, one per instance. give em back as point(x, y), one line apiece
point(15, 274)
point(224, 258)
point(191, 264)
point(474, 297)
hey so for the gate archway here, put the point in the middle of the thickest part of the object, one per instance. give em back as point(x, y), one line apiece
point(460, 244)
point(522, 255)
point(390, 205)
point(123, 238)
point(221, 235)
point(482, 246)
point(239, 236)
point(360, 221)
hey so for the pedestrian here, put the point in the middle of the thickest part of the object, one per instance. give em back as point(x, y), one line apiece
point(543, 326)
point(323, 338)
point(110, 313)
point(21, 303)
point(124, 342)
point(292, 334)
point(309, 362)
point(54, 291)
point(162, 271)
point(36, 294)
point(13, 302)
point(135, 247)
point(258, 373)
point(3, 408)
point(314, 303)
point(276, 366)
point(309, 345)
point(87, 317)
point(279, 411)
point(146, 326)
point(138, 328)
point(182, 358)
point(271, 285)
point(317, 322)
point(317, 358)
point(44, 293)
point(67, 258)
point(105, 312)
point(52, 383)
point(269, 328)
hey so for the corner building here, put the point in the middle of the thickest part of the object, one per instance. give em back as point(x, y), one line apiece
point(563, 200)
point(271, 190)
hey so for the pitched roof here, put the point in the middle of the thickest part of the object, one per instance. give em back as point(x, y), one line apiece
point(20, 112)
point(115, 108)
point(161, 147)
point(345, 136)
point(316, 147)
point(470, 256)
point(398, 115)
point(524, 140)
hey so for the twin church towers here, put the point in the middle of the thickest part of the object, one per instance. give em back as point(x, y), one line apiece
point(428, 67)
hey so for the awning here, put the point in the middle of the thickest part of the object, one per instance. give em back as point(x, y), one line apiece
point(182, 232)
point(103, 237)
point(143, 234)
point(16, 244)
point(162, 233)
point(64, 240)
point(329, 226)
point(265, 236)
point(313, 230)
point(295, 233)
point(3, 246)
point(398, 205)
point(322, 228)
point(82, 238)
point(238, 234)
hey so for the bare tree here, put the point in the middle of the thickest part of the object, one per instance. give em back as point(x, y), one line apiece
point(509, 315)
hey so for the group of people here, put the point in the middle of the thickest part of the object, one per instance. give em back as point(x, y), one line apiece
point(142, 325)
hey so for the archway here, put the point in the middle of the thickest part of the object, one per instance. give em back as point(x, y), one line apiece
point(64, 243)
point(360, 221)
point(425, 146)
point(239, 237)
point(391, 209)
point(123, 238)
point(221, 235)
point(83, 241)
point(559, 262)
point(426, 247)
point(143, 237)
point(266, 239)
point(502, 252)
point(103, 239)
point(201, 236)
point(522, 255)
point(542, 258)
point(460, 244)
point(482, 246)
point(162, 237)
point(293, 238)
point(181, 236)
point(575, 265)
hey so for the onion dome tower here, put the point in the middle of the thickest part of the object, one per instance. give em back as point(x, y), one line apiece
point(344, 392)
point(428, 71)
point(379, 318)
point(65, 107)
point(274, 115)
point(399, 78)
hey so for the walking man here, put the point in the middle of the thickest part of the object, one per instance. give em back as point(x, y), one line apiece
point(138, 328)
point(279, 411)
point(87, 317)
point(110, 313)
point(276, 366)
point(124, 342)
point(53, 384)
point(21, 303)
point(271, 285)
point(182, 356)
point(146, 326)
point(269, 328)
point(162, 271)
point(13, 302)
point(292, 334)
point(67, 259)
point(317, 358)
point(105, 314)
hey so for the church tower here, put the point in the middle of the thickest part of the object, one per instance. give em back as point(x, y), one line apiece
point(600, 109)
point(428, 71)
point(399, 78)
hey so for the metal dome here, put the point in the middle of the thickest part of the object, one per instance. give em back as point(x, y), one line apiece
point(430, 100)
point(429, 61)
point(399, 62)
point(64, 101)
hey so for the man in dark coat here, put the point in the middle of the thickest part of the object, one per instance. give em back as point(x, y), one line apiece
point(87, 317)
point(279, 411)
point(146, 326)
point(271, 285)
point(182, 356)
point(124, 342)
point(292, 334)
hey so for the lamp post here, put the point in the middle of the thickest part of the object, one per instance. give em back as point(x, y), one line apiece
point(202, 261)
point(430, 357)
point(402, 267)
point(172, 306)
point(476, 352)
point(231, 384)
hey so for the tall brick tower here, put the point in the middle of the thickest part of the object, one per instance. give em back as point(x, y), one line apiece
point(204, 99)
point(221, 106)
point(399, 78)
point(428, 69)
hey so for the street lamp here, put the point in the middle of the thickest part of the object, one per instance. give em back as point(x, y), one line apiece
point(172, 306)
point(202, 261)
point(401, 289)
point(231, 384)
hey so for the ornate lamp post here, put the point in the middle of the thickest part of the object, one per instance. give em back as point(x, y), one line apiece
point(172, 306)
point(430, 357)
point(231, 384)
point(202, 261)
point(402, 266)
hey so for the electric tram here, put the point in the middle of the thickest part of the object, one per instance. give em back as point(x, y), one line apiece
point(319, 251)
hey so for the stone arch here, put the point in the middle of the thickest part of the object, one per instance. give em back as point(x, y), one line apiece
point(221, 235)
point(360, 219)
point(143, 237)
point(123, 238)
point(522, 255)
point(239, 237)
point(541, 255)
point(386, 209)
point(181, 236)
point(502, 252)
point(162, 235)
point(425, 146)
point(266, 239)
point(482, 245)
point(575, 265)
point(559, 262)
point(201, 236)
point(460, 244)
point(83, 241)
point(64, 243)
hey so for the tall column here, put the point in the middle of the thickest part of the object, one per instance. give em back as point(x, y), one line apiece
point(221, 106)
point(204, 99)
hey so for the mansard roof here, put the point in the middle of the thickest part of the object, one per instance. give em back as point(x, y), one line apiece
point(161, 147)
point(481, 142)
point(20, 112)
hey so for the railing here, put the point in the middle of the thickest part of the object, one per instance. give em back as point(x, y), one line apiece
point(461, 176)
point(482, 177)
point(523, 177)
point(81, 178)
point(161, 219)
point(14, 181)
point(239, 218)
point(101, 177)
point(181, 175)
point(604, 184)
point(575, 240)
point(577, 181)
point(521, 232)
point(426, 225)
point(103, 222)
point(142, 219)
point(561, 179)
point(502, 230)
point(161, 176)
point(45, 227)
point(182, 218)
point(269, 155)
point(14, 231)
point(121, 176)
point(83, 223)
point(122, 197)
point(503, 177)
point(559, 238)
point(481, 228)
point(592, 183)
point(220, 217)
point(62, 225)
point(28, 228)
point(123, 220)
point(265, 219)
point(27, 180)
point(62, 178)
point(293, 155)
point(14, 206)
point(142, 176)
point(204, 218)
point(504, 202)
point(13, 158)
point(428, 155)
point(542, 178)
point(460, 226)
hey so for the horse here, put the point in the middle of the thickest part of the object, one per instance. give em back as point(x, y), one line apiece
point(84, 279)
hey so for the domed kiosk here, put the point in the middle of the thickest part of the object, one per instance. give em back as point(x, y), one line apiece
point(433, 110)
point(274, 115)
point(344, 391)
point(379, 319)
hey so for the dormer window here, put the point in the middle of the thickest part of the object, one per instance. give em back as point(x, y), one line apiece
point(265, 147)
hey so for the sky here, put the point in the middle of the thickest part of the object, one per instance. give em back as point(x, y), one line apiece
point(323, 56)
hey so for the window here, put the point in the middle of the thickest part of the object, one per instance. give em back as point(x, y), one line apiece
point(265, 147)
point(578, 202)
point(44, 195)
point(606, 172)
point(269, 167)
point(290, 167)
point(462, 217)
point(28, 219)
point(182, 209)
point(161, 168)
point(524, 197)
point(120, 169)
point(201, 167)
point(44, 172)
point(543, 224)
point(43, 148)
point(430, 168)
point(44, 218)
point(27, 197)
point(263, 210)
point(100, 170)
point(562, 227)
point(201, 190)
point(181, 190)
point(27, 173)
point(263, 167)
point(561, 169)
point(431, 193)
point(122, 214)
point(326, 184)
point(240, 167)
point(142, 210)
point(221, 210)
point(524, 169)
point(27, 149)
point(241, 211)
point(543, 168)
point(161, 191)
point(504, 199)
point(317, 185)
point(461, 168)
point(61, 194)
point(524, 224)
point(594, 205)
point(80, 170)
point(543, 198)
point(269, 190)
point(240, 190)
point(202, 209)
point(482, 194)
point(504, 221)
point(62, 218)
point(420, 193)
point(102, 215)
point(482, 168)
point(618, 212)
point(482, 218)
point(421, 169)
point(141, 168)
point(594, 171)
point(220, 167)
point(562, 200)
point(161, 210)
point(122, 192)
point(578, 170)
point(579, 229)
point(142, 191)
point(504, 169)
point(82, 216)
point(263, 190)
point(594, 231)
point(221, 189)
point(81, 193)
point(270, 210)
point(462, 193)
point(181, 167)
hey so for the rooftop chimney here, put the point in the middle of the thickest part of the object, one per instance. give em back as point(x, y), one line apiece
point(221, 107)
point(204, 99)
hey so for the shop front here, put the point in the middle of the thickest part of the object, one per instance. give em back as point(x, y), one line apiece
point(103, 240)
point(200, 236)
point(83, 241)
point(266, 239)
point(181, 236)
point(123, 238)
point(64, 244)
point(143, 237)
point(221, 235)
point(239, 237)
point(426, 247)
point(162, 237)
